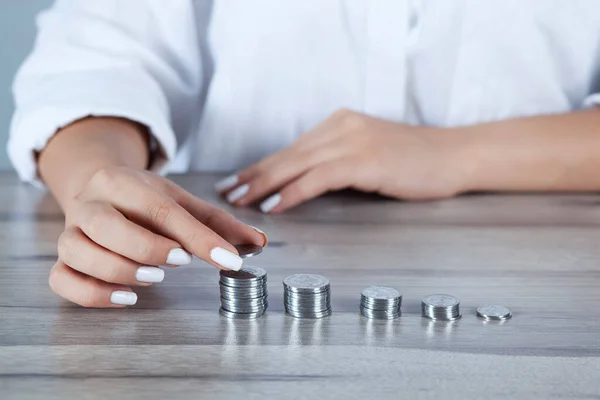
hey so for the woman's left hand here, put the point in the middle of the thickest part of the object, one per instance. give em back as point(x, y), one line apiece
point(353, 150)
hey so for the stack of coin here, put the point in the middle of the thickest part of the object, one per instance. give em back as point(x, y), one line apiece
point(380, 302)
point(307, 296)
point(494, 313)
point(243, 293)
point(441, 307)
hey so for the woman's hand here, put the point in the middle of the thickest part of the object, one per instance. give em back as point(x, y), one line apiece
point(126, 223)
point(352, 150)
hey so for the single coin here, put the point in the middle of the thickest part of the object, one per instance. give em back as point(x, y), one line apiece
point(381, 292)
point(306, 283)
point(245, 273)
point(494, 313)
point(232, 315)
point(248, 250)
point(440, 300)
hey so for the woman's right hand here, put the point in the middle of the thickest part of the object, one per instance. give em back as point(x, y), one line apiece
point(126, 223)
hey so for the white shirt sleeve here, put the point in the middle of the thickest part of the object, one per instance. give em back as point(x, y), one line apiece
point(133, 59)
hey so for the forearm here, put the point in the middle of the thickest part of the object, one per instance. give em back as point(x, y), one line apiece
point(76, 152)
point(543, 153)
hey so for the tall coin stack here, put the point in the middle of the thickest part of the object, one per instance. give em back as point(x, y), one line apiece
point(243, 293)
point(380, 302)
point(307, 296)
point(441, 307)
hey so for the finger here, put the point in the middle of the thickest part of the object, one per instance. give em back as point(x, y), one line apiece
point(304, 144)
point(106, 226)
point(323, 135)
point(220, 221)
point(145, 206)
point(80, 253)
point(88, 291)
point(280, 174)
point(332, 175)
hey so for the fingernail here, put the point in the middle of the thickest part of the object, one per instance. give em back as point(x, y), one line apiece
point(226, 183)
point(270, 203)
point(179, 257)
point(237, 193)
point(124, 298)
point(226, 258)
point(266, 238)
point(149, 274)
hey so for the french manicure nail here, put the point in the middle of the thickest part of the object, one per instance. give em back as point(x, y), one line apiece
point(124, 298)
point(179, 257)
point(149, 274)
point(226, 183)
point(270, 203)
point(226, 258)
point(262, 233)
point(237, 193)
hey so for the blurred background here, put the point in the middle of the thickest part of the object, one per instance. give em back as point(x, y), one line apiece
point(17, 33)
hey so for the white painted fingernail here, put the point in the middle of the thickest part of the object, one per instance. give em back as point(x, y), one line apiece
point(237, 193)
point(179, 257)
point(262, 233)
point(226, 183)
point(270, 203)
point(149, 274)
point(124, 298)
point(226, 258)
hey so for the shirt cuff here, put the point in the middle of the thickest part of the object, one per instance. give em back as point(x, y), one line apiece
point(592, 101)
point(61, 102)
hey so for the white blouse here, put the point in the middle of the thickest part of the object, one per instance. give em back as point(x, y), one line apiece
point(222, 84)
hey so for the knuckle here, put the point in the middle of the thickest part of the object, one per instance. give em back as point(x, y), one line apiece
point(215, 216)
point(190, 239)
point(104, 178)
point(352, 121)
point(110, 273)
point(65, 245)
point(145, 249)
point(53, 278)
point(89, 298)
point(94, 218)
point(341, 113)
point(86, 300)
point(159, 214)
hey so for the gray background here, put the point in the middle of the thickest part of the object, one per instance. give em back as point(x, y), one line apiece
point(17, 33)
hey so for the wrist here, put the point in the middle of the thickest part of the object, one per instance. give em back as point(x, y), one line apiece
point(80, 150)
point(459, 159)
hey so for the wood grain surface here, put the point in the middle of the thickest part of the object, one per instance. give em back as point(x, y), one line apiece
point(538, 255)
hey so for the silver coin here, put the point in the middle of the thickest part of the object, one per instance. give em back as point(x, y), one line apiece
point(309, 315)
point(243, 296)
point(259, 302)
point(247, 276)
point(365, 312)
point(232, 315)
point(381, 293)
point(441, 300)
point(309, 283)
point(382, 309)
point(248, 250)
point(303, 308)
point(494, 312)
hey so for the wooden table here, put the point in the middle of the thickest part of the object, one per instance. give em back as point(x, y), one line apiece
point(538, 255)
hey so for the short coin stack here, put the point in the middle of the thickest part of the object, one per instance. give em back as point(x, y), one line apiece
point(243, 293)
point(380, 302)
point(307, 296)
point(441, 307)
point(494, 313)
